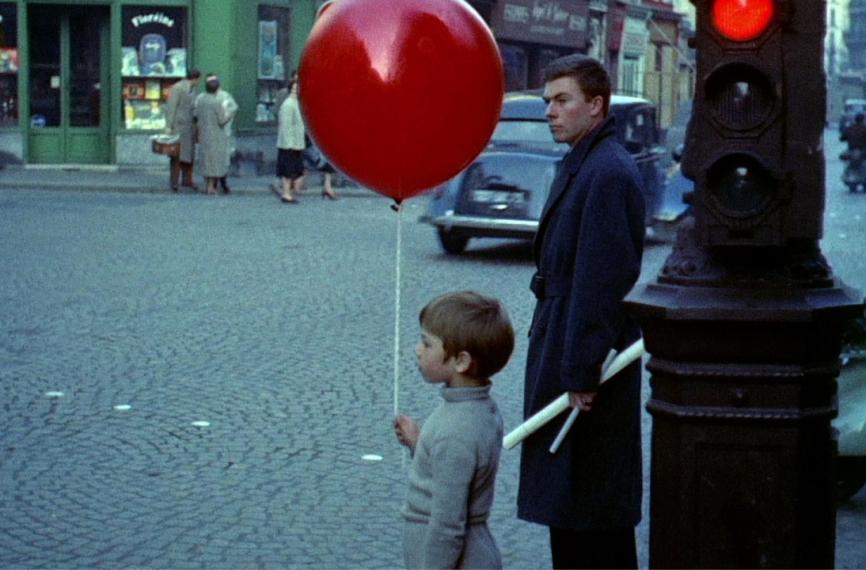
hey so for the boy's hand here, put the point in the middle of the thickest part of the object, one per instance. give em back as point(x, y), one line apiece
point(407, 431)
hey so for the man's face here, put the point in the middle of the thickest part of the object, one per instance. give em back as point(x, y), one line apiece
point(569, 114)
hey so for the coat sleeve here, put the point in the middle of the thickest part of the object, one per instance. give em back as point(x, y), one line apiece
point(453, 466)
point(231, 106)
point(171, 108)
point(606, 267)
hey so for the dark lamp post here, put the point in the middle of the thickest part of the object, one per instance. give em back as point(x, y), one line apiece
point(744, 322)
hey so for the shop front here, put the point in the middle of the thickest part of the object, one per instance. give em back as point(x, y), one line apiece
point(531, 33)
point(87, 82)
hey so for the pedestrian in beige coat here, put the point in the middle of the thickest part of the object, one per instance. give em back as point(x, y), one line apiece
point(231, 107)
point(179, 121)
point(211, 119)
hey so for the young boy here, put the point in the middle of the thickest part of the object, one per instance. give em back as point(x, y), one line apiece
point(465, 339)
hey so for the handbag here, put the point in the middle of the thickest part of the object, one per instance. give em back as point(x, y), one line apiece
point(313, 158)
point(169, 145)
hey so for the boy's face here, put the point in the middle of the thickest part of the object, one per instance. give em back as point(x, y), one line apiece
point(434, 365)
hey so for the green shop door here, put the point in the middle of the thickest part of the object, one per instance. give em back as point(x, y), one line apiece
point(69, 122)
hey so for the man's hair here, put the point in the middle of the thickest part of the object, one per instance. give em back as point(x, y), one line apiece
point(471, 322)
point(212, 83)
point(589, 73)
point(193, 74)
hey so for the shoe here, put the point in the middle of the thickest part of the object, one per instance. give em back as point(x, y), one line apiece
point(175, 189)
point(286, 200)
point(192, 187)
point(329, 195)
point(227, 190)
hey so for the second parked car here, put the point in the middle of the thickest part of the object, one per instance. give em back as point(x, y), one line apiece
point(502, 193)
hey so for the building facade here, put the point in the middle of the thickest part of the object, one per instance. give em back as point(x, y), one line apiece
point(86, 82)
point(642, 43)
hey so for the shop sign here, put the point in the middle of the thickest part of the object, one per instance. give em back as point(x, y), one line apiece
point(551, 22)
point(635, 37)
point(155, 18)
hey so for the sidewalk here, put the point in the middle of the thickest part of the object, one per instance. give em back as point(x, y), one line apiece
point(114, 179)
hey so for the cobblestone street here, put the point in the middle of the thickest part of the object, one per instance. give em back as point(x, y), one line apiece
point(190, 382)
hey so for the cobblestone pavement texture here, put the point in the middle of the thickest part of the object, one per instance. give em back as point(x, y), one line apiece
point(253, 345)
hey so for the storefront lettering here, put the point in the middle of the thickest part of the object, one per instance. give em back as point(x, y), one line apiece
point(549, 12)
point(557, 22)
point(577, 24)
point(155, 18)
point(516, 14)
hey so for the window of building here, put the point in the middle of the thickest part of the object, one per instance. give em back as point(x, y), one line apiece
point(631, 76)
point(8, 65)
point(154, 56)
point(274, 60)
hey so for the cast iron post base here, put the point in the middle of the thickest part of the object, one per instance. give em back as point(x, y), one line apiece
point(745, 348)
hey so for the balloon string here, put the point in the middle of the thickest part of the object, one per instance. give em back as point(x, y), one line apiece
point(397, 278)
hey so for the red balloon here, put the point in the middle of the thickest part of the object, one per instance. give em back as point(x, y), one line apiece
point(400, 95)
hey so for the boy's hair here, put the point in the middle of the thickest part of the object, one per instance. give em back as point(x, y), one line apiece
point(589, 73)
point(471, 322)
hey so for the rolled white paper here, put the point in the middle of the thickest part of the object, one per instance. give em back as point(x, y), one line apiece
point(560, 404)
point(540, 418)
point(563, 431)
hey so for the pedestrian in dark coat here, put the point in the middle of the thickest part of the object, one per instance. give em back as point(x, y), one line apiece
point(588, 254)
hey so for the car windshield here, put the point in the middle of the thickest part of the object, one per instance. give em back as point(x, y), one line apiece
point(508, 174)
point(522, 131)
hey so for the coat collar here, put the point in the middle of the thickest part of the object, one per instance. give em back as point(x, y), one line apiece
point(567, 168)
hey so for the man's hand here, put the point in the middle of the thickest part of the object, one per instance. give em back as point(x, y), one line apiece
point(407, 431)
point(581, 400)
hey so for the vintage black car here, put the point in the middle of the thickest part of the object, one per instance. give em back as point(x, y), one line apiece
point(501, 194)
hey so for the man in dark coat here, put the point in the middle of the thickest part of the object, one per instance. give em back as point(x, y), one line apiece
point(588, 255)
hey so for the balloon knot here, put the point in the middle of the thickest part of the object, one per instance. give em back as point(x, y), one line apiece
point(396, 205)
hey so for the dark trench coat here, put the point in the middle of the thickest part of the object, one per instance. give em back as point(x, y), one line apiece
point(588, 252)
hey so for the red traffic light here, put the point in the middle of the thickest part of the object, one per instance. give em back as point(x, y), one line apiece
point(743, 20)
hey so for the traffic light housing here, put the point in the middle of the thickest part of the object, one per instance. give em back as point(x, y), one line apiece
point(754, 147)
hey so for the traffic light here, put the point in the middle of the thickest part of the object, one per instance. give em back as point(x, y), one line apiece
point(754, 147)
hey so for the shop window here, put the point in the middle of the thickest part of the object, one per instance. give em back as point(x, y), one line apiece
point(8, 65)
point(515, 64)
point(154, 57)
point(540, 61)
point(631, 77)
point(274, 59)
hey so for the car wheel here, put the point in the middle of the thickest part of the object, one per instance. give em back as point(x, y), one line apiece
point(452, 244)
point(850, 475)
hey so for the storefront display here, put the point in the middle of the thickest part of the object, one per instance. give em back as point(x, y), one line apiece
point(274, 50)
point(8, 65)
point(153, 58)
